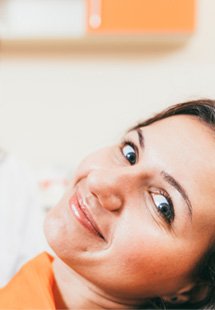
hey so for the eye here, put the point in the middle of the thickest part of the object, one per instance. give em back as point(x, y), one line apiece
point(130, 153)
point(164, 206)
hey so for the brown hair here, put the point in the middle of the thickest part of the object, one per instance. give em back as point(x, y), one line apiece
point(204, 110)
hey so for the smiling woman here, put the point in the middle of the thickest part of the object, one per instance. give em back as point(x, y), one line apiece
point(135, 228)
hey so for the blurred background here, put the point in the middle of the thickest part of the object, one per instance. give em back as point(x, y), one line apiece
point(64, 92)
point(74, 74)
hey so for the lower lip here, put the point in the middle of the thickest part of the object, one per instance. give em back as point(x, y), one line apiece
point(80, 215)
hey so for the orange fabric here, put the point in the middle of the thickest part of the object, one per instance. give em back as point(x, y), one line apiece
point(31, 287)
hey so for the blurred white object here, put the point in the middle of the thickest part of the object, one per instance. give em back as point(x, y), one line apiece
point(21, 232)
point(41, 19)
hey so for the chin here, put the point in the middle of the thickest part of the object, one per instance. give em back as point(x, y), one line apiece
point(64, 238)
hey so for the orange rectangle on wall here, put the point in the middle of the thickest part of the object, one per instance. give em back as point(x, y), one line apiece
point(140, 16)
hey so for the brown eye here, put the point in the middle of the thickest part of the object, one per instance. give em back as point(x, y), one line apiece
point(129, 152)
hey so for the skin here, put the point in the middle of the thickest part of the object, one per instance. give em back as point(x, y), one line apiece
point(143, 255)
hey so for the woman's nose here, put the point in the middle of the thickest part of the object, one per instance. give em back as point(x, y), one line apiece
point(109, 186)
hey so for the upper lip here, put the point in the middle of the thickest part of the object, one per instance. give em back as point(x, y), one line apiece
point(84, 207)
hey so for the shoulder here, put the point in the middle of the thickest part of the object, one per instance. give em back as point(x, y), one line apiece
point(31, 287)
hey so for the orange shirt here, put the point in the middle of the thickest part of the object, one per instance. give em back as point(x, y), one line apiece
point(31, 287)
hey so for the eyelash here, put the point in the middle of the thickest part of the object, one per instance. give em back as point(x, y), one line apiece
point(159, 191)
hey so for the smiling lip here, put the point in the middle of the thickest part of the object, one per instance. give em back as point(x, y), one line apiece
point(80, 212)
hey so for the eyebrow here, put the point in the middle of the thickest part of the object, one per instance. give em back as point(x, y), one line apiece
point(168, 178)
point(172, 181)
point(140, 137)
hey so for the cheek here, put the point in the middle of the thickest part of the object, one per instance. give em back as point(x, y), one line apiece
point(150, 261)
point(135, 257)
point(135, 252)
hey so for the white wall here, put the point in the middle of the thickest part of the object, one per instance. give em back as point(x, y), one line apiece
point(53, 110)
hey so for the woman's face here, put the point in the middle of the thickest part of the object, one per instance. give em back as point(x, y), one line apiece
point(140, 214)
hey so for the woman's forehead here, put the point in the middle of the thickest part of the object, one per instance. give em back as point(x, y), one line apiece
point(183, 126)
point(186, 147)
point(183, 141)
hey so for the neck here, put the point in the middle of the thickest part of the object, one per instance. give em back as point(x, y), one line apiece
point(72, 291)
